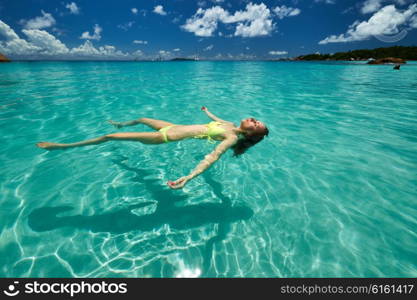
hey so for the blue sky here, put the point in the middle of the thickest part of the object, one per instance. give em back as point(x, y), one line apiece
point(212, 29)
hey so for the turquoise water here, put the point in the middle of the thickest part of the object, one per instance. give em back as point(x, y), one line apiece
point(330, 193)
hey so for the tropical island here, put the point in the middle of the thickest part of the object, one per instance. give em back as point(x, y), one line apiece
point(183, 59)
point(399, 52)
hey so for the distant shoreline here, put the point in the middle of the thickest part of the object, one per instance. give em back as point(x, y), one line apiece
point(408, 53)
point(403, 52)
point(196, 61)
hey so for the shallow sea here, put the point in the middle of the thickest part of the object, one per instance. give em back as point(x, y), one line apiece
point(330, 193)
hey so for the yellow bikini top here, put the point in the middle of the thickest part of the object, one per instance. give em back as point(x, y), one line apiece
point(213, 130)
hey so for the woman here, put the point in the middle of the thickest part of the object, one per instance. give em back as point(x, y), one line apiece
point(240, 138)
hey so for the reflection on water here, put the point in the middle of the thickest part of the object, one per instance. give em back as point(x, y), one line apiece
point(166, 213)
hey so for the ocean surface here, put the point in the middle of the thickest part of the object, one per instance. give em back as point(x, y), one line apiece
point(330, 193)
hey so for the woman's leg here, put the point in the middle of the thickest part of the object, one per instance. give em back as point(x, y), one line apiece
point(153, 123)
point(143, 137)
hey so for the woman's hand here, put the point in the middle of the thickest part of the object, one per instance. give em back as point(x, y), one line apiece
point(179, 183)
point(203, 108)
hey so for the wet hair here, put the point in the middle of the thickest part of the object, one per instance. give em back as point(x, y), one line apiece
point(248, 141)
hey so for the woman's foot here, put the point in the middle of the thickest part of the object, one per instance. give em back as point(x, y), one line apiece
point(115, 124)
point(49, 146)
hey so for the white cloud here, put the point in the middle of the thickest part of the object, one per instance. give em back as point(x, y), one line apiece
point(137, 53)
point(48, 44)
point(229, 56)
point(88, 50)
point(134, 11)
point(164, 53)
point(284, 11)
point(384, 22)
point(96, 36)
point(140, 42)
point(255, 20)
point(208, 48)
point(46, 20)
point(243, 56)
point(110, 51)
point(126, 26)
point(14, 44)
point(42, 44)
point(7, 32)
point(278, 52)
point(159, 9)
point(204, 22)
point(73, 8)
point(325, 1)
point(371, 6)
point(254, 28)
point(176, 49)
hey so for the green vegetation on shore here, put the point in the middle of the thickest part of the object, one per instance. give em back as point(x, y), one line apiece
point(407, 53)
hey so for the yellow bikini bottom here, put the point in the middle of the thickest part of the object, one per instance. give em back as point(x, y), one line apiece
point(213, 130)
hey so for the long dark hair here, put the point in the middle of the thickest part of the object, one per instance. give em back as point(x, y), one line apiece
point(248, 141)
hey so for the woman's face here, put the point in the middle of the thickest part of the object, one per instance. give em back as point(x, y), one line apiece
point(252, 125)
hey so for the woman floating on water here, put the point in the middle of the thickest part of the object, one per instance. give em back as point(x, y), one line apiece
point(240, 138)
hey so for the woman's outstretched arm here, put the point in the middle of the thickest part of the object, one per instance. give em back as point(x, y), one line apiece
point(208, 160)
point(213, 117)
